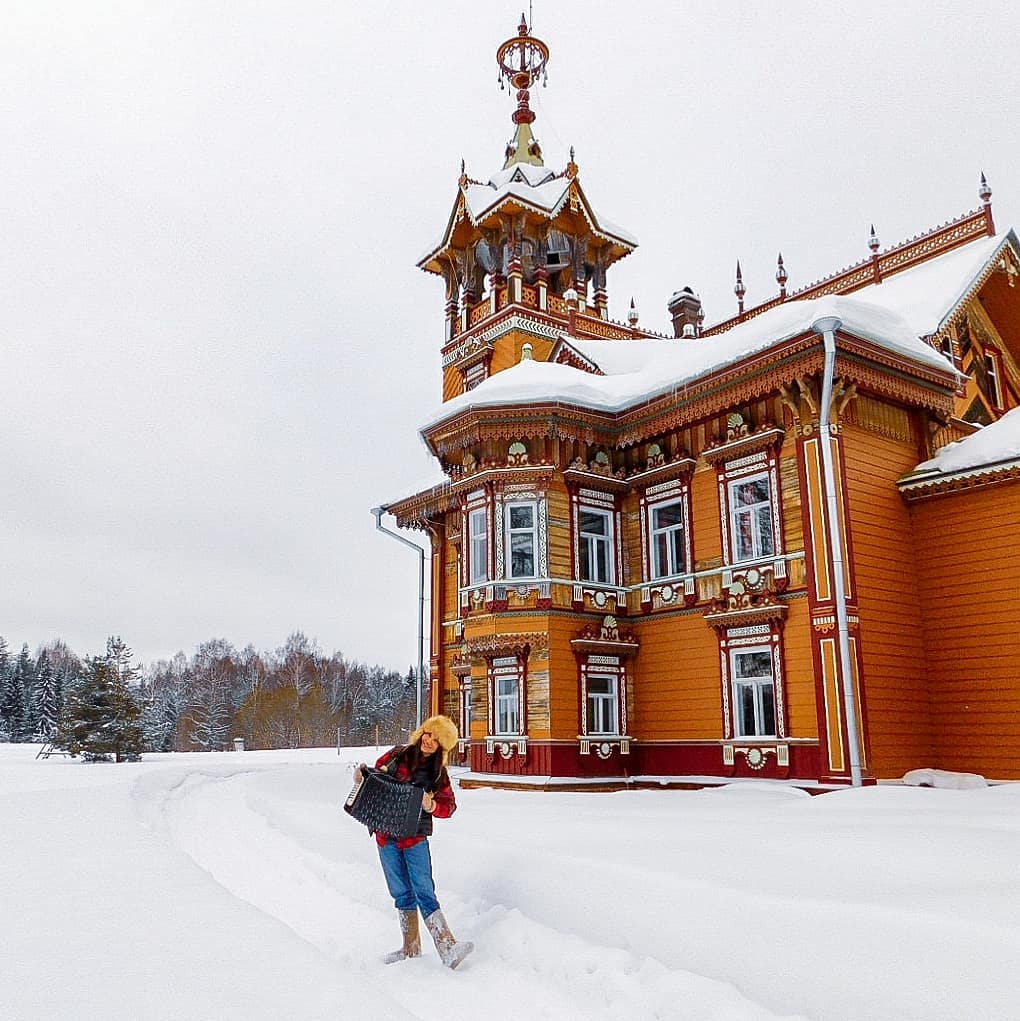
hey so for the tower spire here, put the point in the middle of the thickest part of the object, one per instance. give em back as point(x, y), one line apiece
point(522, 61)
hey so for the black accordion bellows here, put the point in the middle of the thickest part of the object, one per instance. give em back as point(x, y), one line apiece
point(385, 805)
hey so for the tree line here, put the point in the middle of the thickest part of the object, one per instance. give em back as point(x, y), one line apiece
point(105, 706)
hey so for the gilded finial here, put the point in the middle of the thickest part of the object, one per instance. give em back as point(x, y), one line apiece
point(522, 61)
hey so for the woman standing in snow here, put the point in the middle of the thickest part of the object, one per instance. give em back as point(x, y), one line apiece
point(407, 863)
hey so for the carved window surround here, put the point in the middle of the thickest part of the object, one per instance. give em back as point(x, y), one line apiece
point(507, 746)
point(599, 598)
point(667, 590)
point(603, 746)
point(750, 633)
point(756, 755)
point(663, 473)
point(579, 477)
point(603, 665)
point(741, 445)
point(536, 476)
point(607, 639)
point(669, 594)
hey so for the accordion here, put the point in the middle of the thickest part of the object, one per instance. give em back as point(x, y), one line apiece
point(385, 805)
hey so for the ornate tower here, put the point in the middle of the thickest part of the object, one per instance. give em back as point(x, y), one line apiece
point(524, 256)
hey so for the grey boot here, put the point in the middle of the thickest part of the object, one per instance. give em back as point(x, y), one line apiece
point(412, 940)
point(451, 953)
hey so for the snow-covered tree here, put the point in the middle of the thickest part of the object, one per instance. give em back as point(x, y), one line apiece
point(102, 713)
point(5, 675)
point(14, 696)
point(46, 701)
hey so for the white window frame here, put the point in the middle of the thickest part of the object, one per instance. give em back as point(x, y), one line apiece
point(509, 508)
point(603, 703)
point(756, 513)
point(478, 546)
point(669, 532)
point(756, 684)
point(591, 543)
point(506, 705)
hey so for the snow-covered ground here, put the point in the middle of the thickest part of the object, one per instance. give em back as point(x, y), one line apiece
point(230, 886)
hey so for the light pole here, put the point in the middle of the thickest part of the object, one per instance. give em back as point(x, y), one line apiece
point(378, 513)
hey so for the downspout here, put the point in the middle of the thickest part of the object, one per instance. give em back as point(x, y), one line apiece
point(827, 327)
point(378, 513)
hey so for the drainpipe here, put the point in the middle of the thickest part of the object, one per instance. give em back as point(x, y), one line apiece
point(378, 513)
point(827, 327)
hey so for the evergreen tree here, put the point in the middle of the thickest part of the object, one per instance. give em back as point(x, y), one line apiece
point(5, 676)
point(16, 691)
point(46, 699)
point(102, 714)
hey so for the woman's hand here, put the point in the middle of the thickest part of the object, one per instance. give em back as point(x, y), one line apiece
point(428, 803)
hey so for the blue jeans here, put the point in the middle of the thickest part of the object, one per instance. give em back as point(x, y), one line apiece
point(409, 876)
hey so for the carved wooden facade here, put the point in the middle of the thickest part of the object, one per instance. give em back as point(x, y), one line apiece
point(651, 591)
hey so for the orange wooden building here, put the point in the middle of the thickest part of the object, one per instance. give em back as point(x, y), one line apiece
point(782, 546)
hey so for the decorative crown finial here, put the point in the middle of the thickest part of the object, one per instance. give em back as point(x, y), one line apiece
point(522, 61)
point(873, 242)
point(984, 191)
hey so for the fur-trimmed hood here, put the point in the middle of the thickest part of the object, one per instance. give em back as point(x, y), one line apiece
point(443, 729)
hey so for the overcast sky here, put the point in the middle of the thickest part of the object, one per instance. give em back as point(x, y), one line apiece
point(216, 348)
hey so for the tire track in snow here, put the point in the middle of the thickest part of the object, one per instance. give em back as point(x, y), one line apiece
point(337, 901)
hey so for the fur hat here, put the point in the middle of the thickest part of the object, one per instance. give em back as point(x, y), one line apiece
point(443, 729)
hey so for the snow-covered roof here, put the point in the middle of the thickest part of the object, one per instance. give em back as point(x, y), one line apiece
point(927, 294)
point(435, 479)
point(638, 370)
point(996, 445)
point(544, 189)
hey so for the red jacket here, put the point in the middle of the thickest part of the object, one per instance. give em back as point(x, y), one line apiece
point(445, 803)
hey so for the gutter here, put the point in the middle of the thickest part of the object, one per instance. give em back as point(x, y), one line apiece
point(826, 327)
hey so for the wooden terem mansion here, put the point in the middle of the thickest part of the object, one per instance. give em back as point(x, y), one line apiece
point(743, 551)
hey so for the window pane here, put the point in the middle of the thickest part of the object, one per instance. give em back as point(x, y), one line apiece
point(594, 524)
point(679, 564)
point(750, 493)
point(765, 531)
point(768, 710)
point(665, 517)
point(478, 526)
point(753, 664)
point(522, 516)
point(745, 537)
point(745, 709)
point(522, 556)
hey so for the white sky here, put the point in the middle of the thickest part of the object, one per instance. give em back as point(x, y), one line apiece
point(232, 886)
point(216, 346)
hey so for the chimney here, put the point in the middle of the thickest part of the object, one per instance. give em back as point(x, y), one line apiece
point(685, 308)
